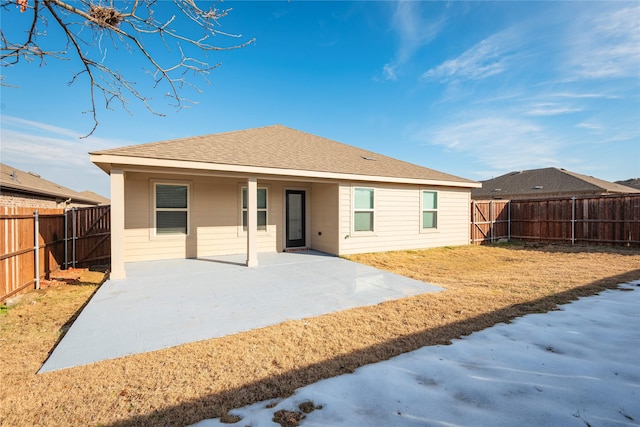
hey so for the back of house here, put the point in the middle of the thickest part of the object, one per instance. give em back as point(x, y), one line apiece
point(274, 189)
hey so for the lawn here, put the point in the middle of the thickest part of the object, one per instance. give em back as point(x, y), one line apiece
point(182, 385)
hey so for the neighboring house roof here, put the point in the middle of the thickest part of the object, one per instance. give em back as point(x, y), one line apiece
point(274, 150)
point(633, 183)
point(95, 196)
point(14, 179)
point(545, 182)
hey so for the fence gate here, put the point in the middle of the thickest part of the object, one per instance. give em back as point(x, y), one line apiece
point(490, 220)
point(87, 236)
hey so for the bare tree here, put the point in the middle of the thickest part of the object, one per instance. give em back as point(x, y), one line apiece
point(139, 27)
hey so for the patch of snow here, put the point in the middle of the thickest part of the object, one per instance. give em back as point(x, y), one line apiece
point(576, 366)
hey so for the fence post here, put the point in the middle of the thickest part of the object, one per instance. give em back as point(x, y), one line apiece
point(73, 237)
point(36, 238)
point(491, 221)
point(509, 219)
point(66, 238)
point(473, 221)
point(573, 220)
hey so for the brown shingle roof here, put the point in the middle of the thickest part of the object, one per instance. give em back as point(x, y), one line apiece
point(545, 182)
point(95, 196)
point(31, 183)
point(281, 147)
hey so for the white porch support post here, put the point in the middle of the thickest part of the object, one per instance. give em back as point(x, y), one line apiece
point(117, 225)
point(252, 222)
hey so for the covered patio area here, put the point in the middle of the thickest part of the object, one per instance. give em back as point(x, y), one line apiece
point(172, 302)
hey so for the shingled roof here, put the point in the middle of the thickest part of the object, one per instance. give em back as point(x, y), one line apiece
point(632, 182)
point(546, 182)
point(280, 147)
point(13, 179)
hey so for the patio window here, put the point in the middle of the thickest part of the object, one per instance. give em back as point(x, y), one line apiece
point(262, 209)
point(363, 209)
point(171, 209)
point(429, 209)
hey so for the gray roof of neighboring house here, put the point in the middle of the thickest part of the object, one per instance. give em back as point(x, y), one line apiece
point(546, 182)
point(281, 147)
point(31, 183)
point(633, 183)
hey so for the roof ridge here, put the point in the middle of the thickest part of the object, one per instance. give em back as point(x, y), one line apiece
point(184, 138)
point(280, 147)
point(550, 179)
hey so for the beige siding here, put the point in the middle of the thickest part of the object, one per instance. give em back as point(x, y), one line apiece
point(324, 218)
point(139, 242)
point(397, 219)
point(215, 212)
point(344, 215)
point(214, 217)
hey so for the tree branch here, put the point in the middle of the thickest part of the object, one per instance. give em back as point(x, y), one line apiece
point(131, 29)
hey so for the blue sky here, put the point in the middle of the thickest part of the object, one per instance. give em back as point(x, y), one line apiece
point(475, 89)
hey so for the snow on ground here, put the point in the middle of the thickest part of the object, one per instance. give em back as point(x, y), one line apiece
point(578, 366)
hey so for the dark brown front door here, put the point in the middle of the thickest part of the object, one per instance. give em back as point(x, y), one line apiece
point(295, 218)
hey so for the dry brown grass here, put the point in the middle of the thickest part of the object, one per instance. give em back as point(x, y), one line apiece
point(182, 385)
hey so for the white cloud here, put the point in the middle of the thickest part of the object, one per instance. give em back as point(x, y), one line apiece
point(389, 72)
point(502, 143)
point(589, 126)
point(37, 130)
point(11, 121)
point(605, 45)
point(582, 95)
point(56, 153)
point(489, 57)
point(414, 32)
point(551, 109)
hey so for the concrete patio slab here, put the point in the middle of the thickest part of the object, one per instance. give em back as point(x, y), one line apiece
point(168, 303)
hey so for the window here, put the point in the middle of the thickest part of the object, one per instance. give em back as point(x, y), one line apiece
point(262, 209)
point(363, 209)
point(429, 209)
point(171, 208)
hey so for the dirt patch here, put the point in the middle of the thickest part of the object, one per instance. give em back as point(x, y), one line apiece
point(288, 418)
point(183, 385)
point(227, 418)
point(308, 407)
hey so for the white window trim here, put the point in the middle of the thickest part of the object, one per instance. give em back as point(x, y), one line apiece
point(422, 210)
point(354, 210)
point(241, 230)
point(154, 231)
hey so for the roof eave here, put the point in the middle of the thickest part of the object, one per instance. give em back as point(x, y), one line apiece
point(107, 161)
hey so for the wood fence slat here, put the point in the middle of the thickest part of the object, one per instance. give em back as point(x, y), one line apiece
point(17, 246)
point(599, 220)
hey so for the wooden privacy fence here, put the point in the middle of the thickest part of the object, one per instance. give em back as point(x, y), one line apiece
point(78, 237)
point(593, 220)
